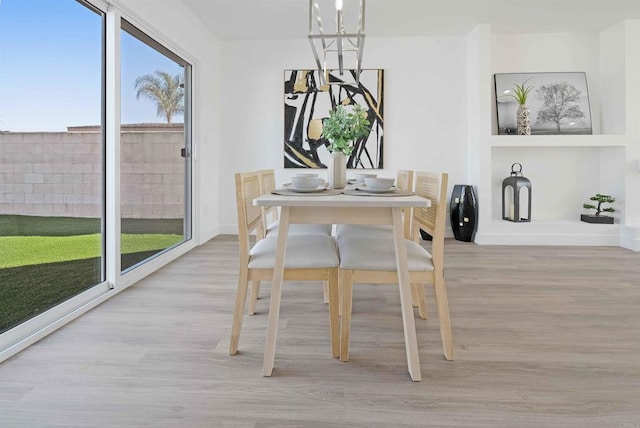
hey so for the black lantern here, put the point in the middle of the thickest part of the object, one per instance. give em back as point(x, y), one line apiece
point(512, 210)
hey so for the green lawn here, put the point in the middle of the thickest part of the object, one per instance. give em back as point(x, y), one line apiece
point(32, 250)
point(22, 225)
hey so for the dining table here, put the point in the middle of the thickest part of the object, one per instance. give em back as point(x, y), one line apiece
point(343, 207)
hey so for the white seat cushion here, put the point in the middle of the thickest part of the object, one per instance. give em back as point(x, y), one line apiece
point(379, 255)
point(364, 231)
point(301, 229)
point(303, 252)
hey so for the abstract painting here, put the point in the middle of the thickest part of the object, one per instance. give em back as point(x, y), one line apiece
point(307, 102)
point(558, 102)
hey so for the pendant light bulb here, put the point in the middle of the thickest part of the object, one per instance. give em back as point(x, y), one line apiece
point(339, 4)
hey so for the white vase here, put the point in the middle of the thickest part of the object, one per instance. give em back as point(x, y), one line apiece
point(523, 121)
point(337, 176)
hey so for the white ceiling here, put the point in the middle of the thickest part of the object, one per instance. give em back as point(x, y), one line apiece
point(288, 19)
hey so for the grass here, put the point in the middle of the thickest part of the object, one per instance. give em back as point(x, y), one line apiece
point(21, 225)
point(47, 260)
point(32, 250)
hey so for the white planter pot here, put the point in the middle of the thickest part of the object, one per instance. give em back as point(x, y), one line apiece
point(523, 120)
point(337, 176)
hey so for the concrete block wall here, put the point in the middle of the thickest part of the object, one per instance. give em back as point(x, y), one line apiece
point(60, 173)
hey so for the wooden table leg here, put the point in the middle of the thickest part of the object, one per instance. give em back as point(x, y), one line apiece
point(276, 291)
point(404, 285)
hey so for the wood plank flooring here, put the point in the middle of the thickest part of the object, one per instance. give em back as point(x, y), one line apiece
point(544, 337)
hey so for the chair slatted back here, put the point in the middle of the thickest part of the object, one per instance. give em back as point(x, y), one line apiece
point(268, 185)
point(404, 181)
point(432, 186)
point(249, 215)
point(267, 180)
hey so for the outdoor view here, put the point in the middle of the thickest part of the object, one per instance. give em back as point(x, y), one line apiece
point(153, 169)
point(52, 167)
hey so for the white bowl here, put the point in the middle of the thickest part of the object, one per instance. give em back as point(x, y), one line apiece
point(306, 182)
point(361, 177)
point(379, 183)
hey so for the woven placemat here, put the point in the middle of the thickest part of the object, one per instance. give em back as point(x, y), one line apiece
point(326, 192)
point(363, 193)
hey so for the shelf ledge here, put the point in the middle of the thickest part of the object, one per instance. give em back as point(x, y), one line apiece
point(601, 140)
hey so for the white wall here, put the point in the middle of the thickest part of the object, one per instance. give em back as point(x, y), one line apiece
point(183, 30)
point(631, 234)
point(425, 107)
point(612, 50)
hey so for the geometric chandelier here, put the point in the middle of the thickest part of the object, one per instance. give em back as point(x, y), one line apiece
point(326, 45)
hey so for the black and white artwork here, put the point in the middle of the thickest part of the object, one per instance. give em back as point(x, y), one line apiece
point(307, 102)
point(558, 102)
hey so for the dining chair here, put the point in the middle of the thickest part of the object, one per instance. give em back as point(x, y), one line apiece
point(268, 185)
point(308, 258)
point(372, 260)
point(404, 181)
point(270, 226)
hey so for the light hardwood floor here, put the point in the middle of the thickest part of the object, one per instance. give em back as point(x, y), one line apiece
point(544, 337)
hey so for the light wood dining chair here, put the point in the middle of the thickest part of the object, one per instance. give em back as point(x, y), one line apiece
point(372, 260)
point(270, 226)
point(270, 214)
point(404, 181)
point(308, 258)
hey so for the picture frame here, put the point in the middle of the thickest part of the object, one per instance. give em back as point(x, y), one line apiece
point(558, 102)
point(307, 103)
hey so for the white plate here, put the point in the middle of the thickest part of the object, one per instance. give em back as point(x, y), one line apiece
point(290, 186)
point(365, 189)
point(317, 189)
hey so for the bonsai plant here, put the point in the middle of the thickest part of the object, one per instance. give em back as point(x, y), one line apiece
point(341, 129)
point(520, 94)
point(597, 218)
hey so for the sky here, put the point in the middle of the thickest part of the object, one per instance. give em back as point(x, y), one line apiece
point(51, 67)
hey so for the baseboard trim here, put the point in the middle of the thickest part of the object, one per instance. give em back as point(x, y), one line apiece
point(630, 237)
point(605, 240)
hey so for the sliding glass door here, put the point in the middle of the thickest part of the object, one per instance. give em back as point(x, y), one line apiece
point(155, 148)
point(67, 68)
point(51, 155)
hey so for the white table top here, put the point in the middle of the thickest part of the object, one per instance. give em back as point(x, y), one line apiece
point(342, 201)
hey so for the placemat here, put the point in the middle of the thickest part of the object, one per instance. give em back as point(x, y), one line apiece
point(363, 193)
point(326, 192)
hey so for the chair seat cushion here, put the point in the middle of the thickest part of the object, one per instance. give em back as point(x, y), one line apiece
point(379, 255)
point(364, 231)
point(300, 229)
point(303, 252)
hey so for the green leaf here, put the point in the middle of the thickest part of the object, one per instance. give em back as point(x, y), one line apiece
point(342, 128)
point(520, 92)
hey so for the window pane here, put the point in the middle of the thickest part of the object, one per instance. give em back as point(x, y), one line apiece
point(51, 155)
point(154, 153)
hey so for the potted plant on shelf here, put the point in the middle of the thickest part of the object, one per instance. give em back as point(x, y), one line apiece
point(597, 218)
point(342, 129)
point(520, 93)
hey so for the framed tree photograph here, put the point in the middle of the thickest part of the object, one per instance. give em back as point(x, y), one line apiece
point(307, 103)
point(558, 103)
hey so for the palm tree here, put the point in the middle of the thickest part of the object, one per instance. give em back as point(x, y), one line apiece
point(164, 90)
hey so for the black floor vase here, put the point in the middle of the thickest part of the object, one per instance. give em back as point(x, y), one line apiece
point(464, 212)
